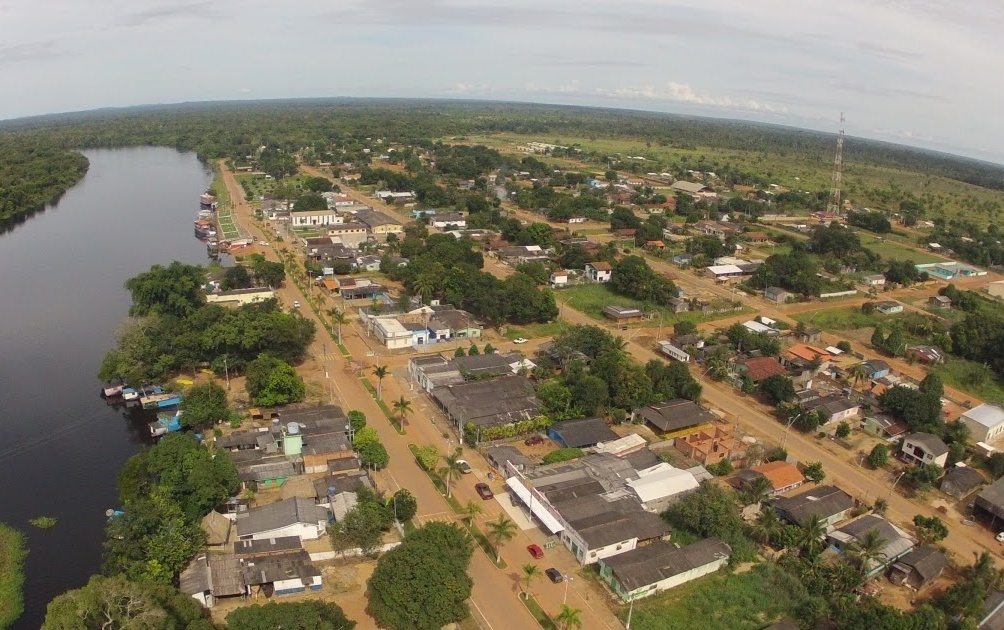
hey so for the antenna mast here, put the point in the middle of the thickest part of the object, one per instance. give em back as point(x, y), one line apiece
point(834, 204)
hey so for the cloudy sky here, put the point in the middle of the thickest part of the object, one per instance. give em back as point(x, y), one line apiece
point(922, 72)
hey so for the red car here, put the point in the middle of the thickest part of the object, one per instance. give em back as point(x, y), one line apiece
point(484, 491)
point(535, 551)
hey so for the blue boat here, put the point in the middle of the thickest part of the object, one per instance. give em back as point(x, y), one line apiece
point(159, 401)
point(166, 423)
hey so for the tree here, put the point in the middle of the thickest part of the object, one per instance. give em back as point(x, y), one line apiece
point(878, 337)
point(116, 602)
point(858, 373)
point(569, 617)
point(271, 382)
point(684, 327)
point(404, 504)
point(766, 526)
point(459, 352)
point(451, 470)
point(777, 389)
point(236, 277)
point(357, 419)
point(556, 398)
point(895, 343)
point(922, 478)
point(427, 456)
point(489, 349)
point(305, 615)
point(755, 490)
point(362, 527)
point(930, 529)
point(710, 512)
point(843, 430)
point(173, 290)
point(879, 456)
point(810, 539)
point(932, 386)
point(374, 455)
point(380, 372)
point(880, 507)
point(204, 405)
point(470, 511)
point(402, 407)
point(500, 531)
point(562, 455)
point(473, 350)
point(814, 472)
point(338, 319)
point(423, 584)
point(867, 550)
point(531, 572)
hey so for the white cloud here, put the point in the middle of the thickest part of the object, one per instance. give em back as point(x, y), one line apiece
point(684, 93)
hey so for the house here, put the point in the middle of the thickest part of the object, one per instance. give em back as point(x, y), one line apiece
point(781, 475)
point(368, 263)
point(461, 324)
point(517, 255)
point(581, 433)
point(675, 416)
point(777, 294)
point(498, 456)
point(961, 481)
point(829, 503)
point(392, 333)
point(760, 368)
point(240, 297)
point(877, 368)
point(874, 280)
point(678, 305)
point(211, 577)
point(488, 403)
point(897, 543)
point(391, 196)
point(809, 335)
point(710, 446)
point(673, 352)
point(291, 517)
point(455, 219)
point(924, 449)
point(318, 451)
point(940, 302)
point(558, 279)
point(218, 529)
point(625, 233)
point(985, 422)
point(599, 271)
point(756, 238)
point(622, 313)
point(683, 259)
point(834, 407)
point(918, 568)
point(888, 307)
point(928, 355)
point(724, 273)
point(884, 426)
point(656, 245)
point(991, 500)
point(696, 190)
point(661, 566)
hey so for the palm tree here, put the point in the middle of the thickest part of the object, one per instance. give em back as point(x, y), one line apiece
point(755, 490)
point(880, 506)
point(501, 531)
point(868, 550)
point(470, 512)
point(338, 318)
point(424, 286)
point(380, 371)
point(810, 538)
point(767, 524)
point(858, 373)
point(451, 469)
point(569, 617)
point(530, 573)
point(402, 406)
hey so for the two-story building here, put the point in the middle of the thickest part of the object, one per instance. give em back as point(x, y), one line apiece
point(599, 271)
point(925, 449)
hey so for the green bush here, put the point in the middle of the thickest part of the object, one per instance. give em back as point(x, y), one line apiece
point(562, 455)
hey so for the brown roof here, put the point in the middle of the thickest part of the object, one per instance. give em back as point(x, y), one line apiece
point(780, 474)
point(763, 367)
point(601, 266)
point(757, 236)
point(626, 232)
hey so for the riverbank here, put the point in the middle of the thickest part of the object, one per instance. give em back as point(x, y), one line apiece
point(31, 180)
point(13, 550)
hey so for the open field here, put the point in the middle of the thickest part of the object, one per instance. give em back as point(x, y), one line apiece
point(865, 184)
point(737, 602)
point(895, 251)
point(12, 553)
point(842, 318)
point(258, 185)
point(591, 298)
point(973, 378)
point(533, 331)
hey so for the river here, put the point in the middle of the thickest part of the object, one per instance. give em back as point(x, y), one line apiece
point(61, 282)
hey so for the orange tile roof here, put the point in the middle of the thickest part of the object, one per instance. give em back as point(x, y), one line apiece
point(763, 367)
point(807, 352)
point(780, 474)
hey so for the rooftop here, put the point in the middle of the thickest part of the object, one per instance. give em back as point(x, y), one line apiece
point(780, 474)
point(822, 501)
point(582, 433)
point(763, 367)
point(928, 562)
point(989, 416)
point(492, 402)
point(675, 415)
point(660, 560)
point(931, 443)
point(280, 514)
point(830, 405)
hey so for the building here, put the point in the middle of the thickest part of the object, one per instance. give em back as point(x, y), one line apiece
point(660, 484)
point(874, 280)
point(888, 307)
point(488, 403)
point(777, 294)
point(698, 191)
point(877, 368)
point(319, 451)
point(760, 368)
point(918, 568)
point(240, 297)
point(884, 426)
point(678, 305)
point(756, 238)
point(291, 517)
point(985, 422)
point(313, 218)
point(829, 503)
point(558, 279)
point(834, 408)
point(961, 481)
point(622, 313)
point(392, 333)
point(599, 271)
point(378, 224)
point(661, 566)
point(781, 475)
point(710, 446)
point(675, 417)
point(452, 220)
point(924, 449)
point(218, 529)
point(349, 234)
point(389, 196)
point(673, 352)
point(581, 433)
point(809, 335)
point(928, 355)
point(520, 254)
point(724, 273)
point(498, 456)
point(897, 542)
point(940, 302)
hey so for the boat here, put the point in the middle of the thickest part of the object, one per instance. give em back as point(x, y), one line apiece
point(203, 228)
point(128, 393)
point(205, 214)
point(159, 401)
point(113, 390)
point(166, 423)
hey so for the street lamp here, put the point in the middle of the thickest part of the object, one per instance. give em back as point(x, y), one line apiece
point(784, 440)
point(893, 486)
point(627, 626)
point(564, 598)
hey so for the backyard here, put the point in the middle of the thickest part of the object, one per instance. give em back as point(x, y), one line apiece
point(591, 298)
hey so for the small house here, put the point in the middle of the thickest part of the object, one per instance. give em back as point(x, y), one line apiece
point(918, 568)
point(985, 422)
point(777, 294)
point(660, 566)
point(877, 368)
point(834, 407)
point(558, 279)
point(897, 543)
point(599, 271)
point(961, 481)
point(941, 302)
point(756, 238)
point(581, 433)
point(291, 517)
point(928, 355)
point(874, 280)
point(760, 368)
point(829, 503)
point(682, 259)
point(622, 314)
point(888, 307)
point(781, 475)
point(924, 449)
point(675, 416)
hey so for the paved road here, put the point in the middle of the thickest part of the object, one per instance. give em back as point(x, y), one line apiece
point(494, 597)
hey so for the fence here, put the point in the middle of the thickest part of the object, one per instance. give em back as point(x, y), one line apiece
point(320, 556)
point(824, 296)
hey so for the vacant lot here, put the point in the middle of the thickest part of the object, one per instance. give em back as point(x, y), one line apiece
point(892, 250)
point(842, 318)
point(591, 298)
point(973, 378)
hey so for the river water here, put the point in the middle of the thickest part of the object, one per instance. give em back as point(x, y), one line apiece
point(62, 296)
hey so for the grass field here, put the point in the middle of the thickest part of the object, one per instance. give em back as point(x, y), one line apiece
point(747, 601)
point(12, 554)
point(843, 318)
point(892, 250)
point(533, 331)
point(867, 185)
point(591, 298)
point(973, 378)
point(228, 229)
point(221, 191)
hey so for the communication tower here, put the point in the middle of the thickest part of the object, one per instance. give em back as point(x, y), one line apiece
point(834, 204)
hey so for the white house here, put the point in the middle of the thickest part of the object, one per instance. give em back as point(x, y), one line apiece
point(673, 352)
point(239, 297)
point(985, 422)
point(722, 273)
point(387, 195)
point(558, 279)
point(875, 280)
point(442, 221)
point(392, 333)
point(599, 271)
point(834, 407)
point(290, 517)
point(924, 449)
point(307, 218)
point(661, 566)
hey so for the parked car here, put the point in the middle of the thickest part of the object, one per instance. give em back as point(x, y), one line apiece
point(296, 303)
point(484, 491)
point(464, 466)
point(533, 440)
point(519, 340)
point(535, 551)
point(554, 575)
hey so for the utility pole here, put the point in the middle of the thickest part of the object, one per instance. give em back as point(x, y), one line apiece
point(834, 204)
point(627, 626)
point(226, 370)
point(784, 440)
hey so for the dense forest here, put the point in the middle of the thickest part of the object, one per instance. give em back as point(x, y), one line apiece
point(33, 175)
point(236, 128)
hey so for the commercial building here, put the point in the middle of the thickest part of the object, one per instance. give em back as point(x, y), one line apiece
point(661, 566)
point(985, 422)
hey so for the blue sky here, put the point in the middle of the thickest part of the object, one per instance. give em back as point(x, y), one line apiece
point(922, 72)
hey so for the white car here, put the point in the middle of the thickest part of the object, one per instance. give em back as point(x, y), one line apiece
point(1000, 537)
point(464, 466)
point(296, 303)
point(519, 340)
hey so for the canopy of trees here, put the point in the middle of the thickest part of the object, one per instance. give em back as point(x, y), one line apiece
point(633, 278)
point(305, 615)
point(33, 176)
point(272, 382)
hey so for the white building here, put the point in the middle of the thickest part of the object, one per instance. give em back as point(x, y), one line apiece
point(442, 221)
point(721, 273)
point(673, 352)
point(985, 422)
point(599, 271)
point(307, 218)
point(290, 517)
point(656, 485)
point(661, 566)
point(387, 195)
point(391, 333)
point(558, 279)
point(239, 297)
point(924, 449)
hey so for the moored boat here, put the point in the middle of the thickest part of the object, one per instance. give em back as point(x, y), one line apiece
point(166, 423)
point(113, 390)
point(158, 401)
point(128, 393)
